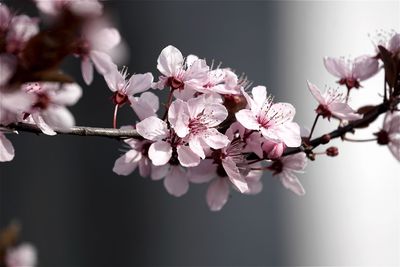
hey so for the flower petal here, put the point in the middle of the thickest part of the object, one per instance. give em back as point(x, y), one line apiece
point(203, 173)
point(46, 129)
point(176, 181)
point(6, 149)
point(145, 106)
point(187, 157)
point(316, 93)
point(259, 95)
point(343, 111)
point(215, 139)
point(139, 83)
point(217, 194)
point(365, 67)
point(159, 172)
point(127, 163)
point(337, 67)
point(247, 119)
point(58, 118)
point(234, 175)
point(290, 181)
point(67, 95)
point(170, 61)
point(152, 128)
point(178, 117)
point(102, 61)
point(87, 70)
point(160, 153)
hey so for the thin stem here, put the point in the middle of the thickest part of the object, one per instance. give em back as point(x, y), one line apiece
point(359, 140)
point(313, 127)
point(115, 116)
point(169, 101)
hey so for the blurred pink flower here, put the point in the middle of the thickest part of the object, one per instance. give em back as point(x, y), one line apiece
point(23, 255)
point(6, 148)
point(21, 29)
point(332, 104)
point(175, 178)
point(390, 133)
point(78, 7)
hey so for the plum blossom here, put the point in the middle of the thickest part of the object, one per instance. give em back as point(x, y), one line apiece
point(24, 255)
point(352, 72)
point(135, 157)
point(21, 29)
point(274, 120)
point(49, 112)
point(332, 104)
point(78, 7)
point(94, 48)
point(182, 76)
point(286, 167)
point(195, 122)
point(167, 146)
point(390, 133)
point(219, 188)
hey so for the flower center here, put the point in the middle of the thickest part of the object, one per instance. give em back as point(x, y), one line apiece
point(383, 137)
point(323, 111)
point(175, 83)
point(119, 98)
point(43, 101)
point(350, 83)
point(276, 167)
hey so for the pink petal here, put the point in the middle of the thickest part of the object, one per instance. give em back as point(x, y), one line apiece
point(159, 172)
point(343, 111)
point(187, 157)
point(160, 153)
point(58, 118)
point(197, 73)
point(46, 129)
point(178, 116)
point(102, 62)
point(176, 182)
point(152, 128)
point(146, 105)
point(217, 194)
point(86, 7)
point(336, 66)
point(394, 43)
point(170, 61)
point(6, 149)
point(259, 95)
point(87, 70)
point(196, 146)
point(250, 102)
point(394, 147)
point(289, 133)
point(214, 114)
point(105, 39)
point(291, 182)
point(203, 173)
point(144, 167)
point(215, 139)
point(196, 106)
point(234, 175)
point(316, 93)
point(139, 83)
point(68, 94)
point(247, 119)
point(365, 67)
point(280, 113)
point(296, 162)
point(127, 163)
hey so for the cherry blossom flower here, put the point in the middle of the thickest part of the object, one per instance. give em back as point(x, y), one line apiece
point(21, 29)
point(352, 72)
point(176, 180)
point(182, 76)
point(49, 112)
point(221, 81)
point(123, 88)
point(6, 149)
point(332, 104)
point(195, 121)
point(167, 146)
point(78, 7)
point(133, 158)
point(390, 133)
point(274, 120)
point(286, 167)
point(219, 188)
point(23, 255)
point(95, 48)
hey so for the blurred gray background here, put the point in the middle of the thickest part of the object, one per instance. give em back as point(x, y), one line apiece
point(77, 212)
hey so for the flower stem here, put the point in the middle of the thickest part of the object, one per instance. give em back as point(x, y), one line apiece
point(313, 127)
point(115, 116)
point(168, 104)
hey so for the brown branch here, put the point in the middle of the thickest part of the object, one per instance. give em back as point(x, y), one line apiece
point(80, 130)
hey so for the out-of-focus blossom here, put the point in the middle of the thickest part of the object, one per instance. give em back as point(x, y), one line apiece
point(182, 76)
point(286, 168)
point(390, 133)
point(13, 104)
point(23, 255)
point(389, 40)
point(352, 72)
point(21, 29)
point(49, 112)
point(8, 64)
point(6, 148)
point(274, 120)
point(175, 178)
point(78, 7)
point(195, 122)
point(332, 104)
point(5, 18)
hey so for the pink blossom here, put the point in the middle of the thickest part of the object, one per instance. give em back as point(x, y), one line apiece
point(94, 48)
point(167, 146)
point(23, 255)
point(49, 112)
point(195, 122)
point(5, 18)
point(219, 188)
point(6, 149)
point(22, 28)
point(146, 105)
point(183, 76)
point(274, 120)
point(13, 104)
point(175, 178)
point(332, 104)
point(390, 133)
point(352, 72)
point(78, 7)
point(135, 157)
point(286, 167)
point(221, 81)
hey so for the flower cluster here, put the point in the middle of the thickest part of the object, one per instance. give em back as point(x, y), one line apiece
point(214, 126)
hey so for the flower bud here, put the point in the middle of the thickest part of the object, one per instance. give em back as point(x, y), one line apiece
point(325, 139)
point(332, 151)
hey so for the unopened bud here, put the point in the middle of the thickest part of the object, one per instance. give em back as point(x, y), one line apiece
point(332, 151)
point(325, 139)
